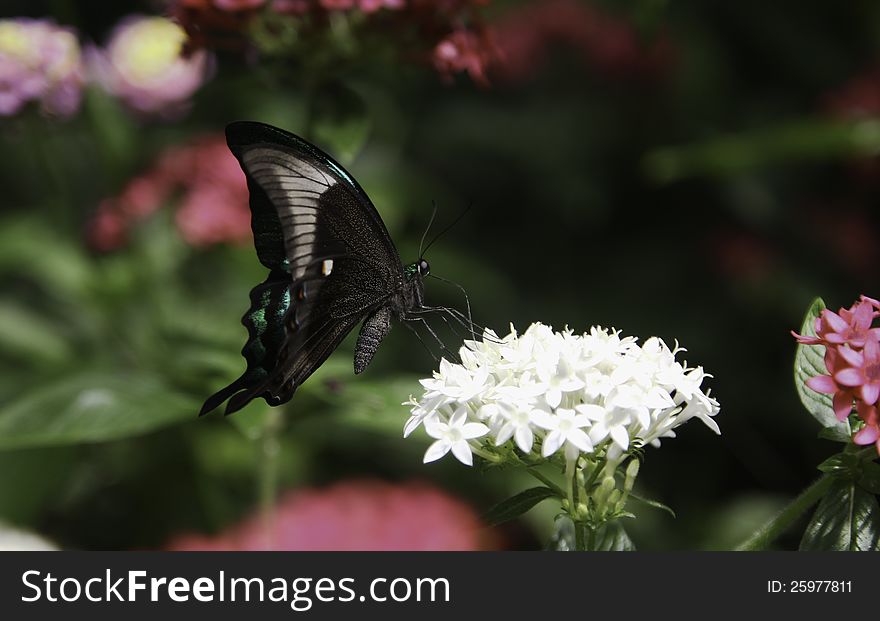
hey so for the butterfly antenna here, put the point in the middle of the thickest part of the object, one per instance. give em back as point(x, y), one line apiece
point(444, 231)
point(428, 228)
point(467, 301)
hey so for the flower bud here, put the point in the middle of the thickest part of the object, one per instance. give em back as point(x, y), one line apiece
point(632, 471)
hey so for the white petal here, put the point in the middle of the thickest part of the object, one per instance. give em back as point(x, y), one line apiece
point(412, 424)
point(436, 451)
point(525, 439)
point(551, 443)
point(710, 423)
point(504, 434)
point(581, 421)
point(598, 432)
point(543, 419)
point(620, 437)
point(553, 397)
point(436, 428)
point(462, 452)
point(473, 430)
point(591, 411)
point(580, 440)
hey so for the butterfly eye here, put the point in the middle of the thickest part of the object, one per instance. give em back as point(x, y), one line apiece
point(424, 268)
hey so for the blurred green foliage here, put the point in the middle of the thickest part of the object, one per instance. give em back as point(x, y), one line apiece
point(709, 203)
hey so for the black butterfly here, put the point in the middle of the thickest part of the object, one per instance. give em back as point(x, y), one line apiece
point(332, 265)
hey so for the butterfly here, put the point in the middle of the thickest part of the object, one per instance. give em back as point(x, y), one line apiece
point(331, 261)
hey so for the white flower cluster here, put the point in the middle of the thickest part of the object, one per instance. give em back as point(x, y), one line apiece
point(559, 390)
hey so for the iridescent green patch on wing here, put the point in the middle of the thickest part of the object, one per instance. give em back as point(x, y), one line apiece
point(265, 320)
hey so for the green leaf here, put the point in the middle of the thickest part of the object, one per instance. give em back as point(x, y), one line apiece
point(840, 433)
point(870, 479)
point(653, 503)
point(25, 334)
point(92, 407)
point(847, 518)
point(612, 537)
point(515, 506)
point(844, 465)
point(809, 361)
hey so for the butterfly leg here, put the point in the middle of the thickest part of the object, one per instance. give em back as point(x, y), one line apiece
point(430, 330)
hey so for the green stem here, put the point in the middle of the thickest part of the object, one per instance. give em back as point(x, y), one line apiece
point(768, 533)
point(270, 453)
point(591, 537)
point(571, 477)
point(546, 481)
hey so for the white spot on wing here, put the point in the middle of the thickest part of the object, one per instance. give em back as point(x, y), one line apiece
point(327, 267)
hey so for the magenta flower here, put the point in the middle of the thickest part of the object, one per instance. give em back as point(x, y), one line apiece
point(144, 66)
point(354, 515)
point(848, 326)
point(39, 62)
point(842, 401)
point(863, 370)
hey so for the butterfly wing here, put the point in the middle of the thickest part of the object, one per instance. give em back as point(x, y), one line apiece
point(330, 257)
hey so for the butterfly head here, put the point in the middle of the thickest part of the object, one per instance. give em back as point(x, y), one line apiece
point(420, 268)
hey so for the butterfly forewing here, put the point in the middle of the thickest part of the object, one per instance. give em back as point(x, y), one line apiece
point(332, 261)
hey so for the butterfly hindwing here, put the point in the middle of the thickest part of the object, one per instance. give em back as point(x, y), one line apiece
point(332, 262)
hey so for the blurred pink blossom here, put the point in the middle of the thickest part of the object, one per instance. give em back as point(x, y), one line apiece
point(144, 65)
point(337, 5)
point(465, 51)
point(371, 6)
point(600, 38)
point(238, 5)
point(40, 62)
point(212, 205)
point(354, 515)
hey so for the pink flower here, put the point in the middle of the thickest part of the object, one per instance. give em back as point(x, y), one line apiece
point(465, 50)
point(337, 5)
point(40, 62)
point(238, 5)
point(600, 38)
point(850, 326)
point(145, 67)
point(842, 402)
point(214, 199)
point(371, 6)
point(213, 214)
point(852, 359)
point(863, 371)
point(108, 229)
point(354, 515)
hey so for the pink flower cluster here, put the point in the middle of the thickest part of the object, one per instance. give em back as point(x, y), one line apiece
point(601, 39)
point(852, 359)
point(354, 515)
point(448, 33)
point(213, 203)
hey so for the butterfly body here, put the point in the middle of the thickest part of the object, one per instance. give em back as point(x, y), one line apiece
point(332, 265)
